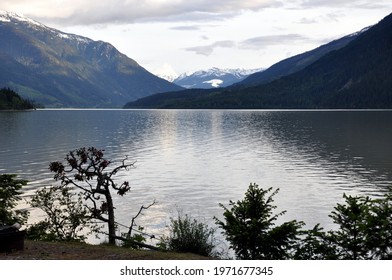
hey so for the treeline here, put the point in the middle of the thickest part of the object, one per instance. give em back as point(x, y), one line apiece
point(10, 100)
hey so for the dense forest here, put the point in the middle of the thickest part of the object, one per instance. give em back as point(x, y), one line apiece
point(10, 100)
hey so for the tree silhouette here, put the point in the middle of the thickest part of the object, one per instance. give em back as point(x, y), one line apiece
point(250, 228)
point(86, 169)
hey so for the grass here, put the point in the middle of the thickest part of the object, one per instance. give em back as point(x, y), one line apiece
point(40, 250)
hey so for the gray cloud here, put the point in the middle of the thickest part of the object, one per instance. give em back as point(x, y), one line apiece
point(209, 49)
point(269, 40)
point(364, 4)
point(74, 12)
point(255, 43)
point(78, 12)
point(307, 21)
point(193, 27)
point(186, 27)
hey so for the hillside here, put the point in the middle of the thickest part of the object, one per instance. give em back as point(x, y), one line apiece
point(298, 62)
point(58, 69)
point(357, 75)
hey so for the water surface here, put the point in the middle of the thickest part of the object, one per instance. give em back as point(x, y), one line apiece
point(192, 160)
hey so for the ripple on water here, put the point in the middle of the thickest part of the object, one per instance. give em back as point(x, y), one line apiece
point(194, 160)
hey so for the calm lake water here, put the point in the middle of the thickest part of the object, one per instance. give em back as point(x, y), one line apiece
point(190, 161)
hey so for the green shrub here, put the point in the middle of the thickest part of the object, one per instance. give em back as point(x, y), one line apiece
point(67, 217)
point(10, 191)
point(188, 235)
point(249, 227)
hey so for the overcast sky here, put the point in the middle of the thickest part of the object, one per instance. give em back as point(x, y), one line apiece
point(180, 36)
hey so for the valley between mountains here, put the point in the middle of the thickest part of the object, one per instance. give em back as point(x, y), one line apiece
point(61, 70)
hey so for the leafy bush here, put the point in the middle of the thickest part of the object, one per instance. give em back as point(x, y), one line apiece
point(10, 191)
point(189, 236)
point(67, 218)
point(249, 226)
point(133, 241)
point(364, 230)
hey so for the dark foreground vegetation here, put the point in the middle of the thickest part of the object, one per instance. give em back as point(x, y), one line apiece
point(10, 100)
point(83, 202)
point(68, 250)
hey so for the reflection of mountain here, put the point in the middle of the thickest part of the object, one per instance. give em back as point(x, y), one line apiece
point(347, 143)
point(194, 159)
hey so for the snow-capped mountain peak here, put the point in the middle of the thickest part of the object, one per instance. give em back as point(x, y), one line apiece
point(167, 77)
point(11, 17)
point(213, 77)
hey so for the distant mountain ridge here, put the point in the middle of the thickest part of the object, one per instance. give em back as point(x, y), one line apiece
point(354, 75)
point(298, 62)
point(57, 69)
point(213, 78)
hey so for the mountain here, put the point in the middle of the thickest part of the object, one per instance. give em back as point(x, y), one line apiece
point(168, 77)
point(298, 62)
point(213, 78)
point(357, 75)
point(57, 69)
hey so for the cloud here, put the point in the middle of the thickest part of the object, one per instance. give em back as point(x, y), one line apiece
point(88, 12)
point(254, 43)
point(362, 4)
point(193, 27)
point(269, 40)
point(186, 27)
point(78, 12)
point(307, 21)
point(165, 71)
point(209, 49)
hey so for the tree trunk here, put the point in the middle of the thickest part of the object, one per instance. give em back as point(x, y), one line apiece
point(111, 222)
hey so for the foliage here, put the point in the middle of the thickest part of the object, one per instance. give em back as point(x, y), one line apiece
point(364, 230)
point(86, 169)
point(188, 235)
point(10, 100)
point(351, 237)
point(136, 240)
point(10, 191)
point(315, 244)
point(365, 226)
point(250, 228)
point(67, 218)
point(133, 241)
point(379, 228)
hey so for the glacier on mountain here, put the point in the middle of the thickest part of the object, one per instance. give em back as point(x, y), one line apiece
point(213, 77)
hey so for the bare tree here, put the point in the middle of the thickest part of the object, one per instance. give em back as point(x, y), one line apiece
point(86, 169)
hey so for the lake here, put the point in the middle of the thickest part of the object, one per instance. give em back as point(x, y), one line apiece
point(189, 161)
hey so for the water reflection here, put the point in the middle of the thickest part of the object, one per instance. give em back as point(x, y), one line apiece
point(350, 144)
point(193, 160)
